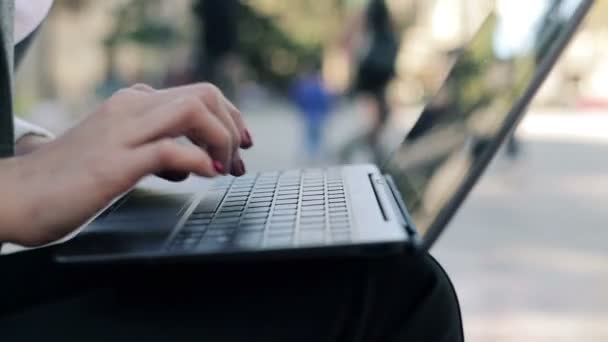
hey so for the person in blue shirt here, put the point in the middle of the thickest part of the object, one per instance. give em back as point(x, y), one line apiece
point(313, 100)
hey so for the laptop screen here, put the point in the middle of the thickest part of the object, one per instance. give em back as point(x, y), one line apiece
point(462, 125)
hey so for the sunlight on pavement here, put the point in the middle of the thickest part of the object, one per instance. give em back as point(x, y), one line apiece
point(538, 327)
point(581, 127)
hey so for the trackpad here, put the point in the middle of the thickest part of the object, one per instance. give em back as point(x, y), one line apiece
point(141, 222)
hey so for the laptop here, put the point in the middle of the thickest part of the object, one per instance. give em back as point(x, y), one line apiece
point(354, 210)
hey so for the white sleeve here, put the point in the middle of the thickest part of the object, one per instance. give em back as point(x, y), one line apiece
point(23, 127)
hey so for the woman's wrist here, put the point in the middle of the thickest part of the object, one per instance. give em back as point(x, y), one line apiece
point(29, 143)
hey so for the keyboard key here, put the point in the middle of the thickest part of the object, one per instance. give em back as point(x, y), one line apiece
point(285, 207)
point(190, 241)
point(313, 208)
point(230, 215)
point(287, 197)
point(255, 220)
point(201, 215)
point(289, 182)
point(340, 228)
point(268, 188)
point(192, 228)
point(313, 213)
point(279, 241)
point(258, 209)
point(250, 215)
point(291, 212)
point(289, 221)
point(285, 229)
point(231, 203)
point(312, 203)
point(249, 239)
point(339, 221)
point(340, 237)
point(338, 224)
point(313, 193)
point(226, 220)
point(211, 245)
point(261, 199)
point(337, 207)
point(311, 237)
point(252, 228)
point(210, 202)
point(270, 185)
point(320, 227)
point(308, 198)
point(232, 208)
point(283, 194)
point(243, 188)
point(197, 221)
point(283, 217)
point(265, 204)
point(259, 193)
point(184, 235)
point(239, 192)
point(312, 220)
point(218, 234)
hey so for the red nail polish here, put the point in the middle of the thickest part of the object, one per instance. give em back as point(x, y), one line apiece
point(217, 165)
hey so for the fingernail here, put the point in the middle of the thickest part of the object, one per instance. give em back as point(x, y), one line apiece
point(247, 142)
point(217, 165)
point(242, 166)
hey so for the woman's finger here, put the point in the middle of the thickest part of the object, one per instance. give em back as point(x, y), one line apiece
point(237, 116)
point(215, 99)
point(173, 176)
point(168, 155)
point(238, 166)
point(190, 117)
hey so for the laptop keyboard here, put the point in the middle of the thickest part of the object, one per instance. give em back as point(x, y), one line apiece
point(274, 209)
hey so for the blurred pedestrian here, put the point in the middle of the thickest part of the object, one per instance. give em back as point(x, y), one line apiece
point(216, 57)
point(375, 47)
point(313, 100)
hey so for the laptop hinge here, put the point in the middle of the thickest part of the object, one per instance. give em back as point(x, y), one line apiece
point(400, 207)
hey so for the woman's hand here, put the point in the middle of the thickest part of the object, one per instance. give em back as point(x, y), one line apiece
point(63, 183)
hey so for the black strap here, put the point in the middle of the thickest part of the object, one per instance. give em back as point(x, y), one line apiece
point(6, 79)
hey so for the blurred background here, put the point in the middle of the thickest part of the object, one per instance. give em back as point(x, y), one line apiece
point(528, 251)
